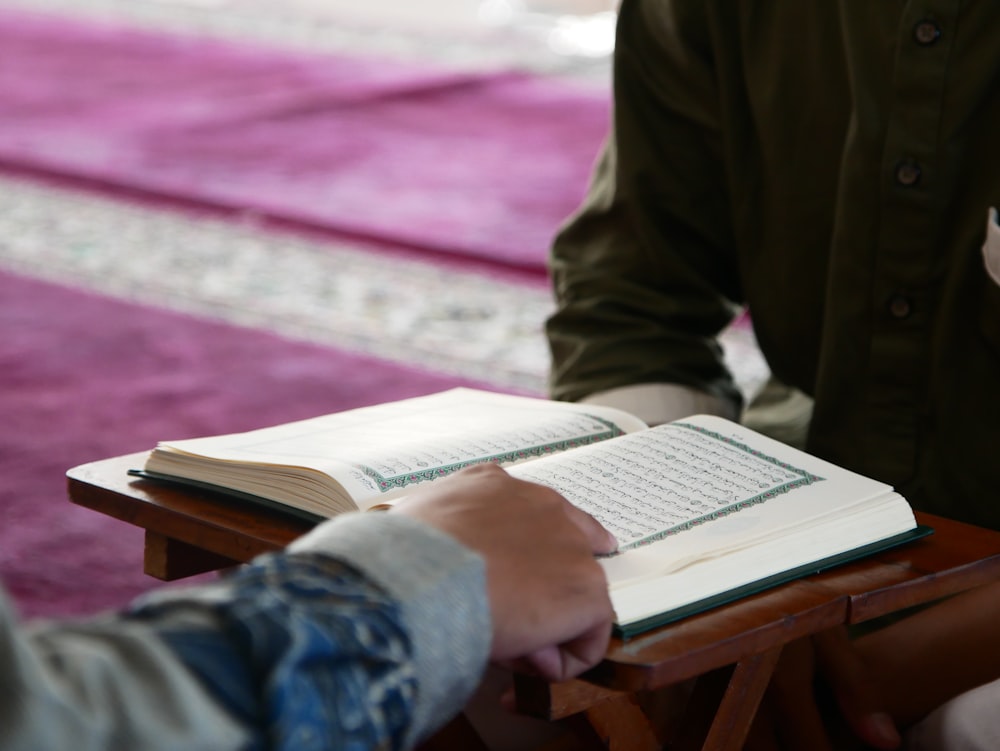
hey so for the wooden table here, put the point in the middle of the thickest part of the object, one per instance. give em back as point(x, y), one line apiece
point(731, 650)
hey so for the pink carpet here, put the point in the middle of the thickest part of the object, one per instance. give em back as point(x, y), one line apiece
point(473, 167)
point(83, 377)
point(484, 165)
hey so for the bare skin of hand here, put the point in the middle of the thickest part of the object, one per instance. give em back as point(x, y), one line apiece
point(885, 681)
point(791, 717)
point(548, 595)
point(936, 654)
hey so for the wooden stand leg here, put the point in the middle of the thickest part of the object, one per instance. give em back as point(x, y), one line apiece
point(618, 724)
point(725, 703)
point(457, 735)
point(599, 719)
point(169, 559)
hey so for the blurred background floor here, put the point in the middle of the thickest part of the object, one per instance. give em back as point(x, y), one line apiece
point(572, 37)
point(489, 326)
point(129, 317)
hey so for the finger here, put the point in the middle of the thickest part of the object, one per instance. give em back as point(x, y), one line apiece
point(568, 660)
point(855, 693)
point(803, 728)
point(545, 662)
point(602, 542)
point(508, 699)
point(798, 722)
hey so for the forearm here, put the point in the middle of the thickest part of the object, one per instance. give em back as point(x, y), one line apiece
point(100, 684)
point(657, 403)
point(289, 648)
point(442, 594)
point(645, 275)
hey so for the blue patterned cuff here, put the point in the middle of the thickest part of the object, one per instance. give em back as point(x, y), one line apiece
point(441, 588)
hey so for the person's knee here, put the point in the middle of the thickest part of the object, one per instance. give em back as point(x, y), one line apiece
point(969, 722)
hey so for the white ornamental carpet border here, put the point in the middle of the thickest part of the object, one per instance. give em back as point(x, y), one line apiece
point(354, 298)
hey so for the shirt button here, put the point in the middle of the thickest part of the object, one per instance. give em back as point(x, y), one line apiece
point(899, 306)
point(908, 173)
point(926, 33)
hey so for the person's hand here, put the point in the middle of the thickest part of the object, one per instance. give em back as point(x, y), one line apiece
point(548, 595)
point(855, 691)
point(791, 716)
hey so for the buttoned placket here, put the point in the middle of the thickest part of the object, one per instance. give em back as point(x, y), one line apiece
point(902, 293)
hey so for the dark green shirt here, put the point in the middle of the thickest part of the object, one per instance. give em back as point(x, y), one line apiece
point(830, 165)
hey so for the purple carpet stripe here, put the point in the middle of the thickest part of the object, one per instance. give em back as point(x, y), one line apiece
point(84, 377)
point(485, 165)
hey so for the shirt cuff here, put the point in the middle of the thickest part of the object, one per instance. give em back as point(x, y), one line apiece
point(656, 403)
point(441, 587)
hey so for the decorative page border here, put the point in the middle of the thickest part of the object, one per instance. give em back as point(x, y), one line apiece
point(805, 478)
point(394, 482)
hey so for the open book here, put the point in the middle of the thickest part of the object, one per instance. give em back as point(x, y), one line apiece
point(704, 510)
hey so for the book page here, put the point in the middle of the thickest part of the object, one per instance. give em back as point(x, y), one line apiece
point(382, 451)
point(660, 591)
point(697, 486)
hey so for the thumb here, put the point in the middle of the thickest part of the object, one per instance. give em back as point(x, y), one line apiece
point(855, 691)
point(875, 728)
point(602, 542)
point(564, 661)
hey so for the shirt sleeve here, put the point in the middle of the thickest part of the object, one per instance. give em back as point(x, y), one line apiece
point(329, 646)
point(657, 403)
point(645, 273)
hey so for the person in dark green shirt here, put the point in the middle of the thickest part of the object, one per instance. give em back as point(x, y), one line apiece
point(831, 166)
point(832, 169)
